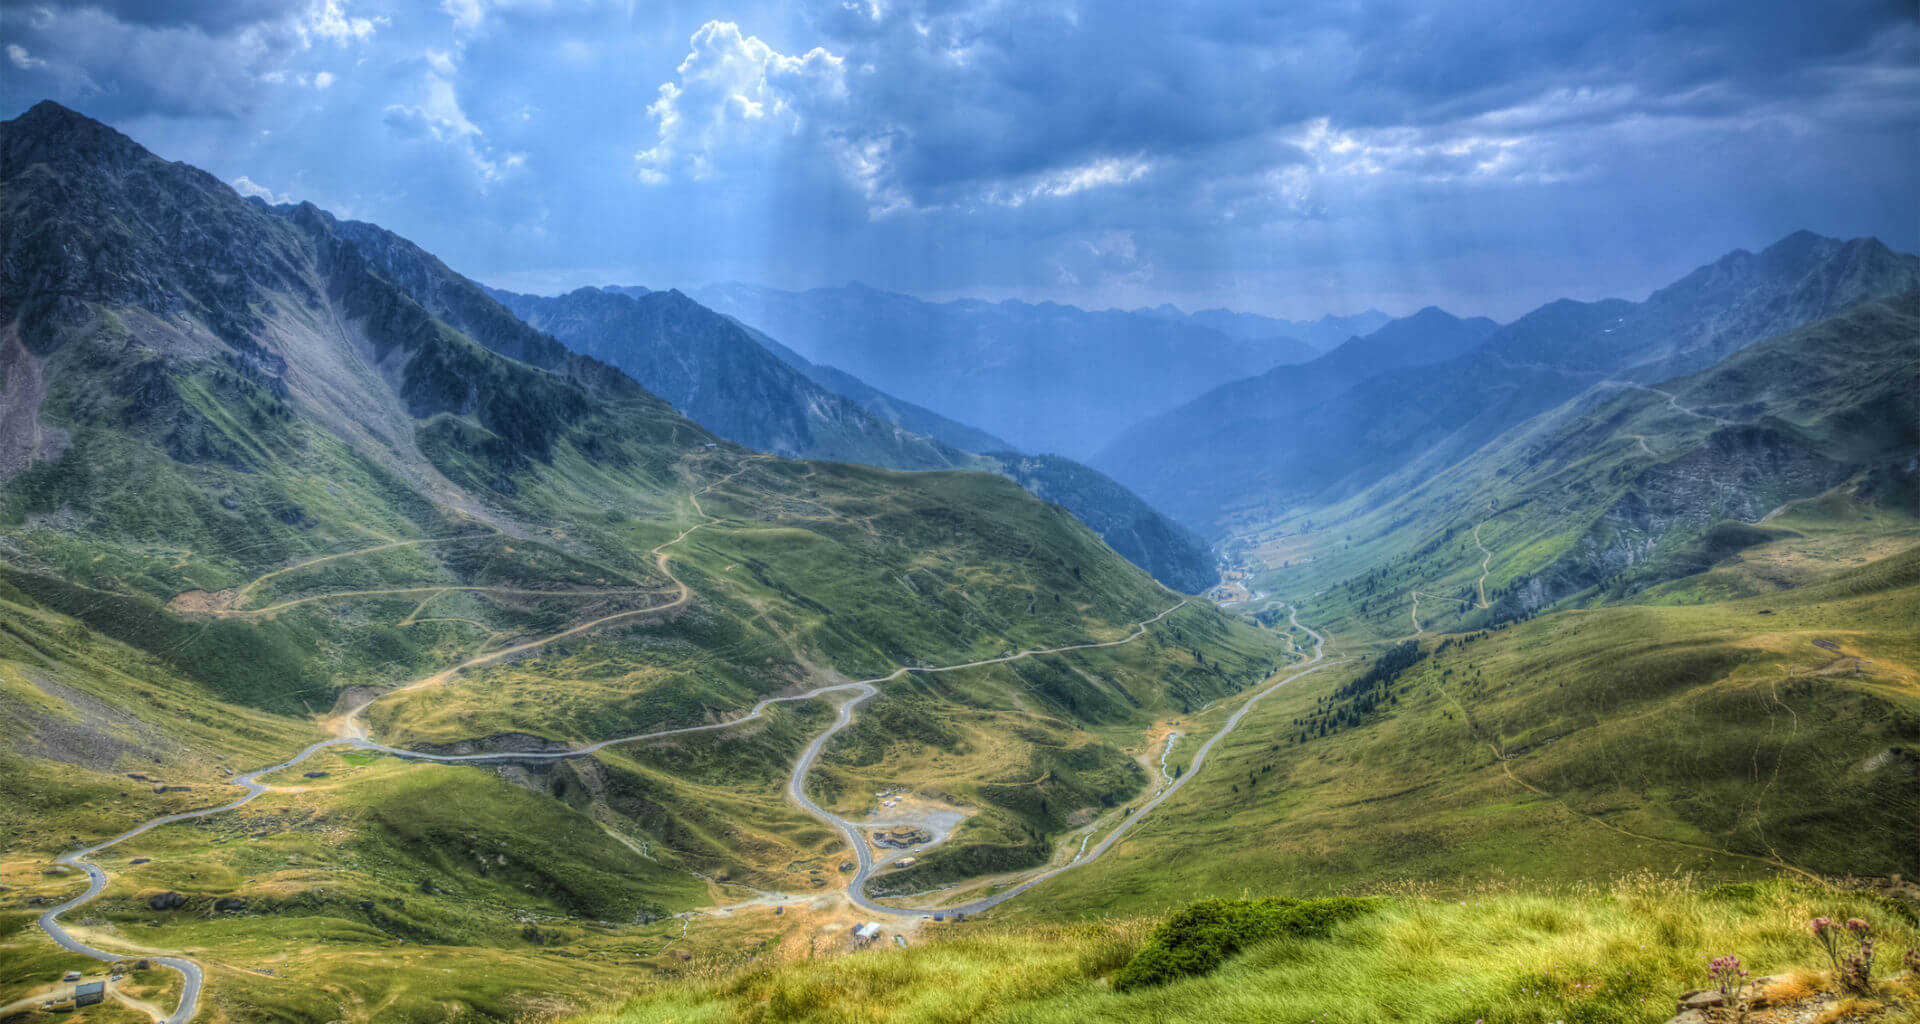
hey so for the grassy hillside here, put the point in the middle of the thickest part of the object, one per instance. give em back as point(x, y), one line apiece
point(1234, 474)
point(1628, 487)
point(1615, 954)
point(1581, 745)
point(263, 482)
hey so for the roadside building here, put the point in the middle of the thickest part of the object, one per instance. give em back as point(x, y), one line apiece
point(89, 993)
point(867, 932)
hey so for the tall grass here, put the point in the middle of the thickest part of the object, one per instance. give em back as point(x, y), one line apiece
point(1615, 954)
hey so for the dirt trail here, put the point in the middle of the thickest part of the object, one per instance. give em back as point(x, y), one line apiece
point(1673, 402)
point(140, 1005)
point(348, 726)
point(241, 594)
point(271, 609)
point(1481, 583)
point(1505, 761)
point(1417, 595)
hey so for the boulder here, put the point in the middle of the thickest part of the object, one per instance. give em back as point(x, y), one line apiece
point(229, 904)
point(1698, 999)
point(166, 901)
point(1704, 998)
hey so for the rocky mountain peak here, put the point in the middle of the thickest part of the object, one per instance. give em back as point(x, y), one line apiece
point(51, 133)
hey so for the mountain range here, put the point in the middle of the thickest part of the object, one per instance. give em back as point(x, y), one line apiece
point(1047, 377)
point(1245, 454)
point(1320, 335)
point(748, 388)
point(715, 371)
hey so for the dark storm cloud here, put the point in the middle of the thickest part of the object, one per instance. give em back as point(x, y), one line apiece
point(172, 58)
point(208, 16)
point(1298, 157)
point(992, 91)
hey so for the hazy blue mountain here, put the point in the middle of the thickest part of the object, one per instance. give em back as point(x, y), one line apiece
point(1239, 466)
point(1173, 554)
point(917, 418)
point(1644, 484)
point(1152, 453)
point(1046, 377)
point(748, 388)
point(1319, 335)
point(717, 373)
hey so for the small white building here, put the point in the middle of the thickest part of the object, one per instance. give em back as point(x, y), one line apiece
point(867, 932)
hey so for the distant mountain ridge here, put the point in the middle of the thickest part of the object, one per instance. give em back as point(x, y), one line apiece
point(1235, 470)
point(1262, 408)
point(1628, 486)
point(1046, 377)
point(1322, 334)
point(750, 389)
point(713, 370)
point(917, 418)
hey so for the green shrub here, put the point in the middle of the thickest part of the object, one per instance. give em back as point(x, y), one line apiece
point(1201, 937)
point(1738, 892)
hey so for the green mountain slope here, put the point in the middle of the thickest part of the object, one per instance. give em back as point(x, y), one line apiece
point(253, 481)
point(917, 418)
point(1692, 664)
point(712, 370)
point(1167, 550)
point(1158, 455)
point(1630, 485)
point(1226, 479)
point(747, 388)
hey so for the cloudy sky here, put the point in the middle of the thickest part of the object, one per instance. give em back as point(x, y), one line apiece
point(1292, 158)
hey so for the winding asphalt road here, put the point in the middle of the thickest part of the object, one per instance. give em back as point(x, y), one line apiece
point(355, 739)
point(97, 880)
point(856, 889)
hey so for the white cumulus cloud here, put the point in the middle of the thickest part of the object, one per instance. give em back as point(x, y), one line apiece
point(735, 97)
point(1104, 172)
point(18, 56)
point(248, 187)
point(438, 116)
point(330, 20)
